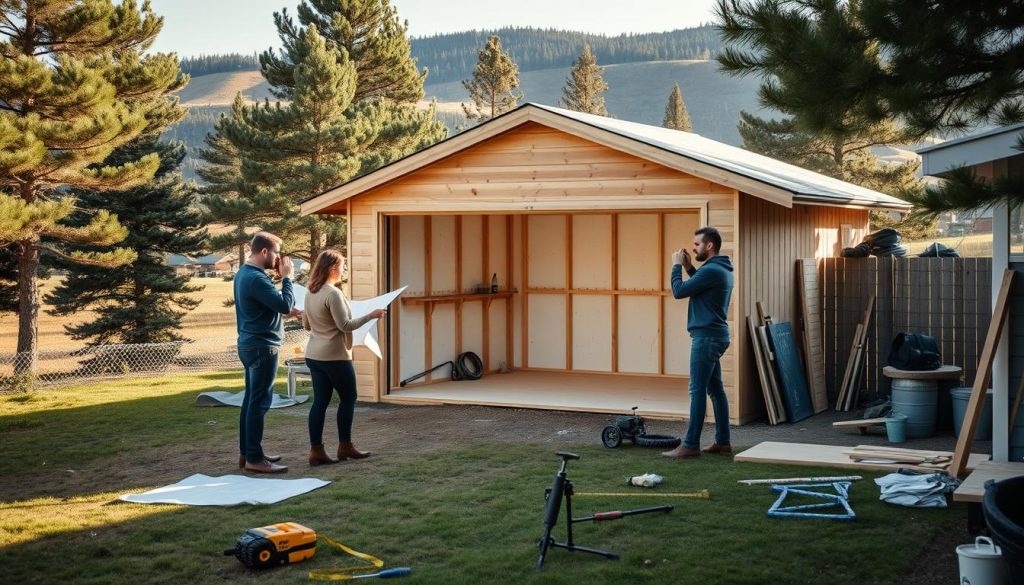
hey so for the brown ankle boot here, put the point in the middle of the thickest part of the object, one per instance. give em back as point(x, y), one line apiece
point(682, 452)
point(346, 450)
point(318, 456)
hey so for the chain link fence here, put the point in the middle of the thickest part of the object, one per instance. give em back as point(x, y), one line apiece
point(123, 361)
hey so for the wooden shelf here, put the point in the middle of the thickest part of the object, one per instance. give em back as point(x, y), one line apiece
point(457, 298)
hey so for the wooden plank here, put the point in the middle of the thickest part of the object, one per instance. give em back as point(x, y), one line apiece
point(428, 310)
point(973, 413)
point(458, 285)
point(524, 325)
point(568, 298)
point(485, 268)
point(395, 315)
point(762, 372)
point(861, 424)
point(824, 456)
point(661, 285)
point(615, 300)
point(973, 488)
point(773, 380)
point(844, 389)
point(509, 309)
point(807, 273)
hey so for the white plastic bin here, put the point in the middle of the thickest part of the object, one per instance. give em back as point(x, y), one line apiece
point(981, 563)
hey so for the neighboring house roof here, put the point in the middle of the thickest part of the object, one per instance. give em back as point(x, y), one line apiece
point(211, 259)
point(995, 144)
point(752, 173)
point(179, 260)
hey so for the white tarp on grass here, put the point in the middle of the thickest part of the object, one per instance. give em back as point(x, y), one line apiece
point(224, 398)
point(227, 490)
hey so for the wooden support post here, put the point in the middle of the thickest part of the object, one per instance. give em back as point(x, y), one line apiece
point(485, 264)
point(395, 314)
point(568, 297)
point(509, 311)
point(525, 316)
point(615, 298)
point(458, 284)
point(973, 413)
point(661, 300)
point(428, 308)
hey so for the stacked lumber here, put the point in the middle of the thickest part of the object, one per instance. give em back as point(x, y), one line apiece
point(764, 362)
point(850, 387)
point(918, 460)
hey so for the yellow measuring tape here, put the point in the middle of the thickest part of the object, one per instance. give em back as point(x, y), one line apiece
point(701, 495)
point(342, 573)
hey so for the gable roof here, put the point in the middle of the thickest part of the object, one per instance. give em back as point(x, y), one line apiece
point(751, 173)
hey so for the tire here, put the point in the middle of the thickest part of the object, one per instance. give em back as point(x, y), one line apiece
point(657, 441)
point(468, 366)
point(258, 554)
point(611, 437)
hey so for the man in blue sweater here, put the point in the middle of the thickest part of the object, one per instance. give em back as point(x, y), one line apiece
point(259, 311)
point(709, 289)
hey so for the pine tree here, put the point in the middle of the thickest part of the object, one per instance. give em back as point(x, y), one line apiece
point(228, 199)
point(143, 301)
point(584, 88)
point(849, 159)
point(8, 279)
point(494, 83)
point(76, 84)
point(316, 141)
point(928, 66)
point(372, 37)
point(677, 117)
point(364, 36)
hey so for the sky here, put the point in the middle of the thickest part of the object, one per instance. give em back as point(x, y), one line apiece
point(198, 27)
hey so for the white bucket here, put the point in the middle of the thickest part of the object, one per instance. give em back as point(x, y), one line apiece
point(981, 563)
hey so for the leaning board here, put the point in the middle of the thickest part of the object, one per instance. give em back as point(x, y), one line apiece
point(792, 382)
point(820, 456)
point(810, 309)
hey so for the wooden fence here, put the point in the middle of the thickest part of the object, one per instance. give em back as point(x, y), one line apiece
point(947, 298)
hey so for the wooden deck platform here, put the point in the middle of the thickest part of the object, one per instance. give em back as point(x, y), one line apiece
point(973, 488)
point(822, 456)
point(656, 397)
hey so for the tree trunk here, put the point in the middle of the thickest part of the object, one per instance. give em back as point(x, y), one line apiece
point(314, 244)
point(28, 307)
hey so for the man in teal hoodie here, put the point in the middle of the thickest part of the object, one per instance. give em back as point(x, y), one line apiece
point(259, 312)
point(709, 289)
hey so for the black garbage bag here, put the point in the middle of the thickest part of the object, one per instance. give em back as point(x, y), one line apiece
point(937, 250)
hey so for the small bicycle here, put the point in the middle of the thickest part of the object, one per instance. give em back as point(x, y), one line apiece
point(632, 427)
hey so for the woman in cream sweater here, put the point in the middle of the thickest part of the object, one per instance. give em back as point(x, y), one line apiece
point(328, 318)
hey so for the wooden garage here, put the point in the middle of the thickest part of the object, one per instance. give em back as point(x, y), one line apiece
point(576, 217)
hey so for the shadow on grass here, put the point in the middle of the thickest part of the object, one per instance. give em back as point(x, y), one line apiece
point(474, 514)
point(65, 443)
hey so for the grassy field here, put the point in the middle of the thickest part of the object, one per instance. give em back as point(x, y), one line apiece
point(455, 510)
point(210, 320)
point(970, 246)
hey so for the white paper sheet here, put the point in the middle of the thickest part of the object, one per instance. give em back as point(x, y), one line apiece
point(299, 293)
point(367, 334)
point(227, 490)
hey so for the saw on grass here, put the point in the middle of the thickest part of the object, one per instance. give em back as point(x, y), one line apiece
point(288, 542)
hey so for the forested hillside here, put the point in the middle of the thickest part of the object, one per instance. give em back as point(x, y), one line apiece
point(451, 57)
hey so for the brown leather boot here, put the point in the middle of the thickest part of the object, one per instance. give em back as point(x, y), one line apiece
point(346, 450)
point(270, 458)
point(682, 452)
point(719, 449)
point(318, 456)
point(265, 467)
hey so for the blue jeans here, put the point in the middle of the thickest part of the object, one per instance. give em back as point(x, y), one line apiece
point(706, 380)
point(330, 376)
point(260, 370)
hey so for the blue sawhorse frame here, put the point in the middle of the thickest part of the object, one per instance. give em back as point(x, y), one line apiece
point(837, 499)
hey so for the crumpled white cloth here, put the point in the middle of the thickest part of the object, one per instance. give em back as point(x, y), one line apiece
point(916, 491)
point(226, 490)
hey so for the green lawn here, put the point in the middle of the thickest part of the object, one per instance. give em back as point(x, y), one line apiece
point(455, 513)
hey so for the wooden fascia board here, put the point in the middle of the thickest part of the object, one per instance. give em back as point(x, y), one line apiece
point(415, 161)
point(669, 159)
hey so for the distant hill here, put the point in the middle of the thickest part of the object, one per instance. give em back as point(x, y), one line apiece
point(451, 57)
point(219, 89)
point(638, 92)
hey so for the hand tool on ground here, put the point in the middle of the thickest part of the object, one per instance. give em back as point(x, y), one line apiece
point(562, 489)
